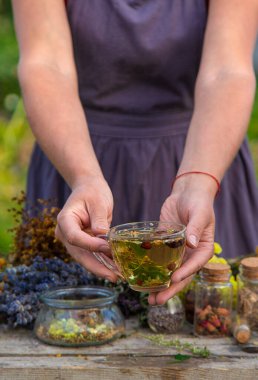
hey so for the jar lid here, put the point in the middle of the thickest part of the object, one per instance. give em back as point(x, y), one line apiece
point(249, 267)
point(216, 272)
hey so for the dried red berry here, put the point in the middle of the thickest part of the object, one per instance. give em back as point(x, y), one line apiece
point(171, 266)
point(146, 245)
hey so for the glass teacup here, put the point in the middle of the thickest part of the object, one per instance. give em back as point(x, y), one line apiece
point(147, 253)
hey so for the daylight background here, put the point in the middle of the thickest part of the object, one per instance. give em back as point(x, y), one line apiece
point(15, 137)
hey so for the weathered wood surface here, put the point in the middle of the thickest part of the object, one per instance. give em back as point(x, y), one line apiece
point(23, 357)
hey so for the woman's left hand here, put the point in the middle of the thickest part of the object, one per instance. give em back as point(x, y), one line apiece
point(192, 205)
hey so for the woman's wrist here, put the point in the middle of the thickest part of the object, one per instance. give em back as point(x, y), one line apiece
point(86, 177)
point(196, 181)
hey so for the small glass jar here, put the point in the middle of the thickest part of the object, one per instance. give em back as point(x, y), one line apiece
point(241, 330)
point(247, 280)
point(168, 318)
point(81, 316)
point(213, 301)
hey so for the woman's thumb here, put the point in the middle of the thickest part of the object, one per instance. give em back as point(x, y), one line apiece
point(99, 220)
point(198, 221)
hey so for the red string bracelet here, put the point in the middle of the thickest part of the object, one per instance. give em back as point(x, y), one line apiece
point(199, 172)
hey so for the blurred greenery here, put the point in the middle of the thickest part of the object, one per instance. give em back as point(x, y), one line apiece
point(15, 147)
point(15, 137)
point(253, 126)
point(9, 54)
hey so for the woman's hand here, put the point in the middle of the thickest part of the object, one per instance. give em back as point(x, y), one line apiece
point(191, 204)
point(87, 213)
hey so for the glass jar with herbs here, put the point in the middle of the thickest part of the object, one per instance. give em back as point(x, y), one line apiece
point(248, 291)
point(168, 318)
point(213, 301)
point(81, 316)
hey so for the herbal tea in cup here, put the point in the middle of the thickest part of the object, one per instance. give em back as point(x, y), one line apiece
point(148, 253)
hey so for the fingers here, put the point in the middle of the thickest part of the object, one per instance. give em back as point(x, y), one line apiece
point(195, 261)
point(69, 232)
point(99, 220)
point(87, 260)
point(162, 297)
point(199, 220)
point(200, 235)
point(108, 263)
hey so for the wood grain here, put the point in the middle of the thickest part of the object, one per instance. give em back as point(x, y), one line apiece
point(22, 357)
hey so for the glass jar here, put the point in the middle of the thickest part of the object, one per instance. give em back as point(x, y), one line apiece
point(168, 318)
point(241, 330)
point(81, 316)
point(247, 305)
point(213, 301)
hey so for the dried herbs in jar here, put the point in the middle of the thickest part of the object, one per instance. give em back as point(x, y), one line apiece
point(213, 301)
point(81, 316)
point(168, 318)
point(248, 291)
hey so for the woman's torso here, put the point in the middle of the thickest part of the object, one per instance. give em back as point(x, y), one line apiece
point(137, 62)
point(137, 56)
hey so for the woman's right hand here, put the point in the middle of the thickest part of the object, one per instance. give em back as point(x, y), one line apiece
point(89, 208)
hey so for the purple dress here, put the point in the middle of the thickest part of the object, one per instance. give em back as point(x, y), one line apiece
point(137, 62)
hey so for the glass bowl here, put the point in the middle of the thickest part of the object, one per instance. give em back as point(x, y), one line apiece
point(81, 316)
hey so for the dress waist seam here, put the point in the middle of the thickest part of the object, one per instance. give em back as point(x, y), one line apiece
point(138, 126)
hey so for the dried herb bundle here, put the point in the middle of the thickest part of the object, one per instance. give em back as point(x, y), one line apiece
point(34, 233)
point(196, 351)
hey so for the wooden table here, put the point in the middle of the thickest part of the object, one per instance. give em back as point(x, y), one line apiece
point(22, 357)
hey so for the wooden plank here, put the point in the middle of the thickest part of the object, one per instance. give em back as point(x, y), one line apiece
point(23, 342)
point(114, 368)
point(23, 357)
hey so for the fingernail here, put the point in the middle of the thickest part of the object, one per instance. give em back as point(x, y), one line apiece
point(193, 240)
point(101, 228)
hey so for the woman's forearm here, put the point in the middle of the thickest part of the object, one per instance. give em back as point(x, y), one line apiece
point(58, 121)
point(222, 110)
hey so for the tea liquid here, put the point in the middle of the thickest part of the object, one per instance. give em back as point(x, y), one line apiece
point(147, 265)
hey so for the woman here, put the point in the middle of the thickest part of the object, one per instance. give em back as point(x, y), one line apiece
point(122, 96)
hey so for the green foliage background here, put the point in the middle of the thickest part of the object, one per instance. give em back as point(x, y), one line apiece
point(15, 137)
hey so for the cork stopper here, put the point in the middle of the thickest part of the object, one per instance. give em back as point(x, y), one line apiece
point(242, 334)
point(216, 272)
point(249, 268)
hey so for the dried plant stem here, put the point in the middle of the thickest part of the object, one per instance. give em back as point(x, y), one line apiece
point(179, 346)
